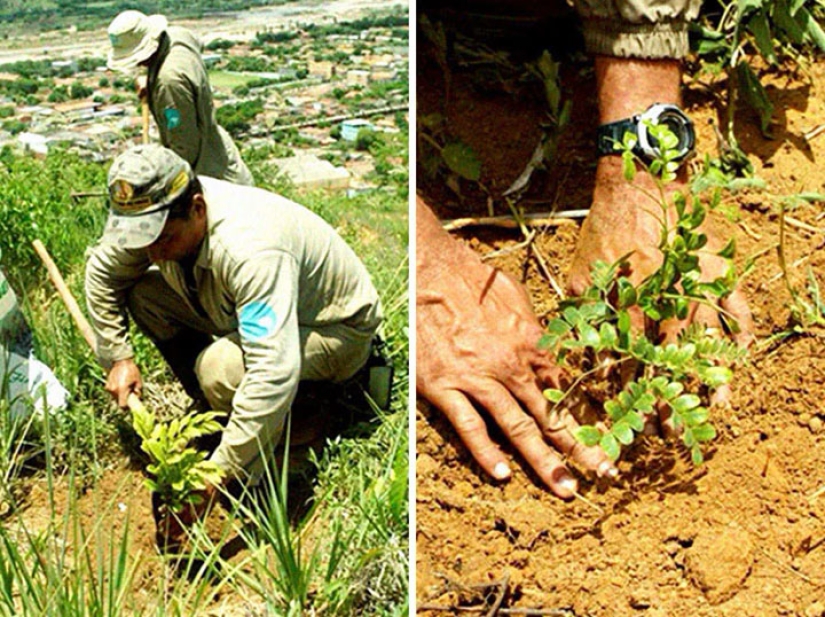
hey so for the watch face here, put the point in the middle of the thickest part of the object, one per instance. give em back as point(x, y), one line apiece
point(676, 121)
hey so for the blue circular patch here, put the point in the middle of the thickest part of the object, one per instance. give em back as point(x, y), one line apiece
point(258, 320)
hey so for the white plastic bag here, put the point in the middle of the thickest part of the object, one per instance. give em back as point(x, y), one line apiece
point(25, 382)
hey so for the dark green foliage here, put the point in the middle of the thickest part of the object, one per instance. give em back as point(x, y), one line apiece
point(236, 117)
point(80, 91)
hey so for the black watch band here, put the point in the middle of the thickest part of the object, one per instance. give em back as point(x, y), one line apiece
point(609, 136)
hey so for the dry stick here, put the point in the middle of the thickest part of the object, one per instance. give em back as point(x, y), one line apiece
point(132, 402)
point(508, 221)
point(502, 593)
point(799, 224)
point(526, 612)
point(814, 132)
point(144, 108)
point(84, 194)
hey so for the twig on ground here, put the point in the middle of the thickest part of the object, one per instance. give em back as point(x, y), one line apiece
point(785, 566)
point(542, 262)
point(525, 612)
point(800, 225)
point(749, 231)
point(493, 604)
point(795, 264)
point(587, 502)
point(814, 132)
point(509, 249)
point(535, 219)
point(813, 496)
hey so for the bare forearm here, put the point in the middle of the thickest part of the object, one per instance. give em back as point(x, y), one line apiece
point(628, 86)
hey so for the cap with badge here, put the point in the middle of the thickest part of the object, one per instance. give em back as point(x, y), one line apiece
point(143, 183)
point(134, 38)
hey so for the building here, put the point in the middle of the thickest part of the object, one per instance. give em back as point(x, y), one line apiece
point(308, 171)
point(350, 128)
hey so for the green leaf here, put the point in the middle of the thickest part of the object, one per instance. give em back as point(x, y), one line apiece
point(558, 327)
point(761, 30)
point(610, 446)
point(685, 402)
point(644, 403)
point(672, 390)
point(613, 409)
point(635, 421)
point(697, 216)
point(696, 455)
point(462, 160)
point(696, 417)
point(715, 376)
point(623, 324)
point(571, 315)
point(729, 250)
point(747, 6)
point(623, 433)
point(755, 95)
point(553, 395)
point(607, 334)
point(704, 433)
point(547, 342)
point(589, 335)
point(811, 27)
point(588, 435)
point(628, 166)
point(627, 293)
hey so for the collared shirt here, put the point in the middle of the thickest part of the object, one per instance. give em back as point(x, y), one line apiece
point(180, 99)
point(263, 271)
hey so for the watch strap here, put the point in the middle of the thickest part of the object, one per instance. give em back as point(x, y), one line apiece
point(608, 135)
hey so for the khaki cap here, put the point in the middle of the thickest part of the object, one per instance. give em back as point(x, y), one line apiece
point(143, 182)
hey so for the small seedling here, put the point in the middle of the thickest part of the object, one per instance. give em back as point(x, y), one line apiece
point(179, 472)
point(673, 379)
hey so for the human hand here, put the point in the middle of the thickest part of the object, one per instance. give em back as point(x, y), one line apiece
point(172, 527)
point(477, 342)
point(623, 220)
point(123, 379)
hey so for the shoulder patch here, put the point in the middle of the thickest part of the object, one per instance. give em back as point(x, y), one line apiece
point(257, 320)
point(172, 117)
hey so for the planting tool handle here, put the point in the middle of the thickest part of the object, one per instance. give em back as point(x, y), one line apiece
point(132, 402)
point(65, 294)
point(144, 109)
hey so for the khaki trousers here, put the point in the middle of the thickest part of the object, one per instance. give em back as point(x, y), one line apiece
point(330, 353)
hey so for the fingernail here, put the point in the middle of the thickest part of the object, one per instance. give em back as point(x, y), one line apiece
point(567, 483)
point(501, 471)
point(606, 469)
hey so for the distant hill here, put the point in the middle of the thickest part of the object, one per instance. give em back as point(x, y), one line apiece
point(50, 14)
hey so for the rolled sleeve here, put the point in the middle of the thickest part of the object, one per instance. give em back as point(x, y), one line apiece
point(266, 301)
point(637, 28)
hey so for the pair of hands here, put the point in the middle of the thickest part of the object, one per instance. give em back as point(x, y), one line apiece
point(477, 335)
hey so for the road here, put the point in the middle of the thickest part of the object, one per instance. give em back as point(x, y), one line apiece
point(60, 45)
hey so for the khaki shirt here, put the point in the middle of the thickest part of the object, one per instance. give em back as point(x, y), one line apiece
point(263, 271)
point(180, 99)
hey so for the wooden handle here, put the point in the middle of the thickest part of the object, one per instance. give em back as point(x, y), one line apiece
point(144, 108)
point(132, 402)
point(65, 294)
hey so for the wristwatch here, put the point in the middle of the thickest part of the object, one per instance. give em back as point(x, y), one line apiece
point(646, 147)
